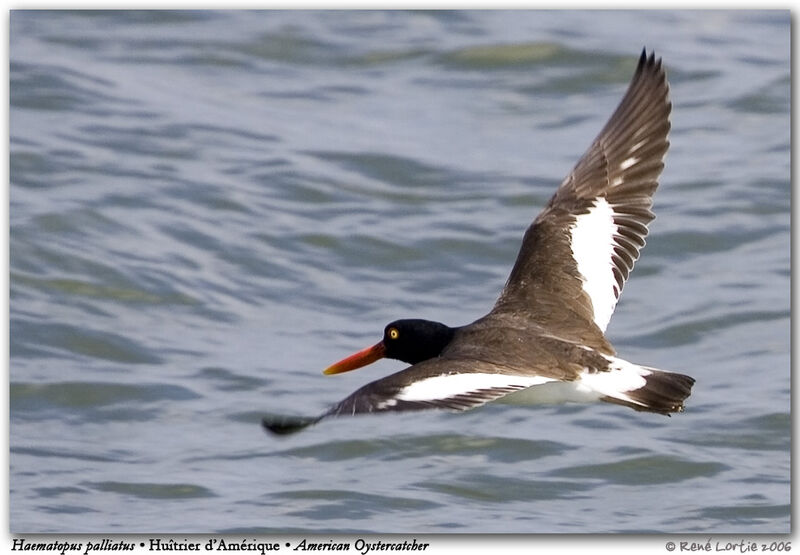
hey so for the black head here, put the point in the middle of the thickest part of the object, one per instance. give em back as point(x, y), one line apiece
point(411, 341)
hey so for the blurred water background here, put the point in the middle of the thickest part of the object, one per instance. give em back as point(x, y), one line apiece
point(207, 208)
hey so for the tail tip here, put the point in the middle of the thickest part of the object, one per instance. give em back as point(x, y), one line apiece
point(664, 392)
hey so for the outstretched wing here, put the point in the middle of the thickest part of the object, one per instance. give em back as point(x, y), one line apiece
point(440, 382)
point(577, 254)
point(435, 383)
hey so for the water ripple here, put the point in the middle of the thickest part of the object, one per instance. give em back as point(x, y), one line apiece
point(412, 447)
point(643, 470)
point(92, 402)
point(496, 489)
point(149, 490)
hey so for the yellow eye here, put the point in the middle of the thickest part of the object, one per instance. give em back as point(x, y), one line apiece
point(393, 333)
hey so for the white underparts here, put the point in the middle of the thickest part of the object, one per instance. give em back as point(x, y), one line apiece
point(553, 393)
point(622, 378)
point(592, 243)
point(617, 381)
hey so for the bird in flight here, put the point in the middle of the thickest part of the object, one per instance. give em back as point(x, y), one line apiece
point(543, 341)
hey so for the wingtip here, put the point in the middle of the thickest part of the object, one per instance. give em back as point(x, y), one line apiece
point(282, 425)
point(648, 61)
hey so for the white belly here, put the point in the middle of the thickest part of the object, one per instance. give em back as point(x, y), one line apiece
point(552, 393)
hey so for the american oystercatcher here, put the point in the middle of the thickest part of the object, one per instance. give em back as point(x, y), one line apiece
point(544, 341)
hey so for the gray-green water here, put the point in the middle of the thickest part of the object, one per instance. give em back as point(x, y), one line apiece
point(207, 208)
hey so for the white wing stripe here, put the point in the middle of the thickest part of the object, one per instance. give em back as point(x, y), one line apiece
point(592, 243)
point(445, 386)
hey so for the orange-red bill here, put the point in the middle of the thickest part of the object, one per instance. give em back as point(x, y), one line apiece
point(357, 360)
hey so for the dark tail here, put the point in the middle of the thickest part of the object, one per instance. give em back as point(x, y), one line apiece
point(663, 393)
